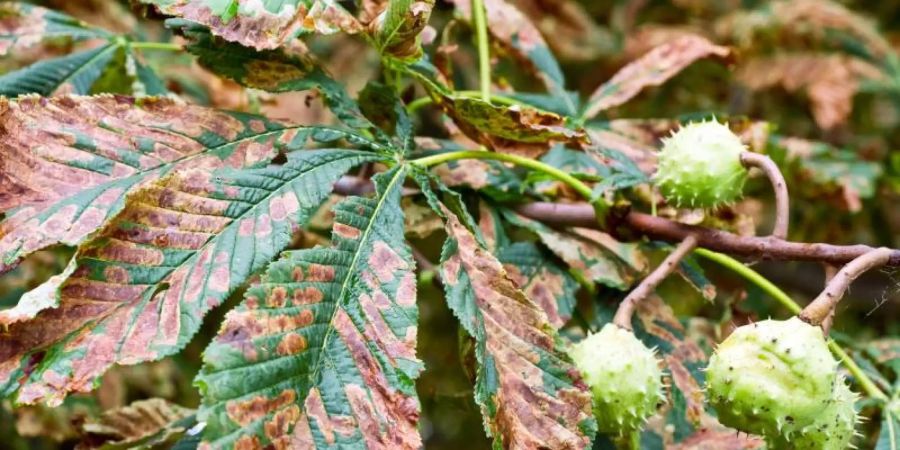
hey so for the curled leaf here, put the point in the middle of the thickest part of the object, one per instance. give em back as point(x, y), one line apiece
point(830, 81)
point(652, 69)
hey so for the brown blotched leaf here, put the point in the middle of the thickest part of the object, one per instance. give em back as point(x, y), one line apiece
point(68, 162)
point(530, 393)
point(830, 81)
point(510, 129)
point(652, 69)
point(130, 426)
point(597, 256)
point(322, 352)
point(262, 24)
point(142, 284)
point(520, 38)
point(23, 25)
point(397, 26)
point(571, 32)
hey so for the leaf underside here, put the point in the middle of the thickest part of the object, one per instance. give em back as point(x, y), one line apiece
point(321, 353)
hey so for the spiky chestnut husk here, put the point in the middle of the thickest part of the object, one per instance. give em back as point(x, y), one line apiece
point(700, 166)
point(624, 377)
point(771, 377)
point(833, 429)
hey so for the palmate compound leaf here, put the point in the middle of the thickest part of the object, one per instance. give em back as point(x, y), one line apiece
point(101, 62)
point(530, 394)
point(142, 284)
point(322, 352)
point(68, 162)
point(262, 24)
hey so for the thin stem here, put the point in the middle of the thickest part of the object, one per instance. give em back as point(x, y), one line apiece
point(165, 46)
point(626, 308)
point(421, 102)
point(576, 184)
point(775, 292)
point(782, 199)
point(830, 271)
point(821, 307)
point(484, 56)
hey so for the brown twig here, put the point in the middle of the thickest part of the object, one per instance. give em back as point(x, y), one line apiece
point(821, 307)
point(626, 308)
point(830, 271)
point(782, 199)
point(771, 248)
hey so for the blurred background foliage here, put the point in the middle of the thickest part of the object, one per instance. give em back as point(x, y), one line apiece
point(824, 75)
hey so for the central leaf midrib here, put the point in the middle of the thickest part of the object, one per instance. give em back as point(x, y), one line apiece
point(350, 270)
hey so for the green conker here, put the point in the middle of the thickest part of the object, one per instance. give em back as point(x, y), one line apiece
point(624, 377)
point(771, 377)
point(833, 429)
point(700, 166)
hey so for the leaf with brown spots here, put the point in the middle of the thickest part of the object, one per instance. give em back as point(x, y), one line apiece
point(597, 256)
point(322, 353)
point(515, 32)
point(396, 29)
point(23, 25)
point(510, 129)
point(179, 246)
point(531, 396)
point(279, 70)
point(99, 61)
point(829, 81)
point(145, 424)
point(652, 69)
point(541, 279)
point(68, 162)
point(262, 24)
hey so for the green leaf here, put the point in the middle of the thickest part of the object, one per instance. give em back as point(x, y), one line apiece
point(70, 74)
point(541, 279)
point(262, 24)
point(322, 352)
point(595, 255)
point(273, 71)
point(68, 162)
point(23, 25)
point(530, 394)
point(515, 32)
point(381, 106)
point(397, 28)
point(652, 69)
point(824, 171)
point(889, 437)
point(178, 248)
